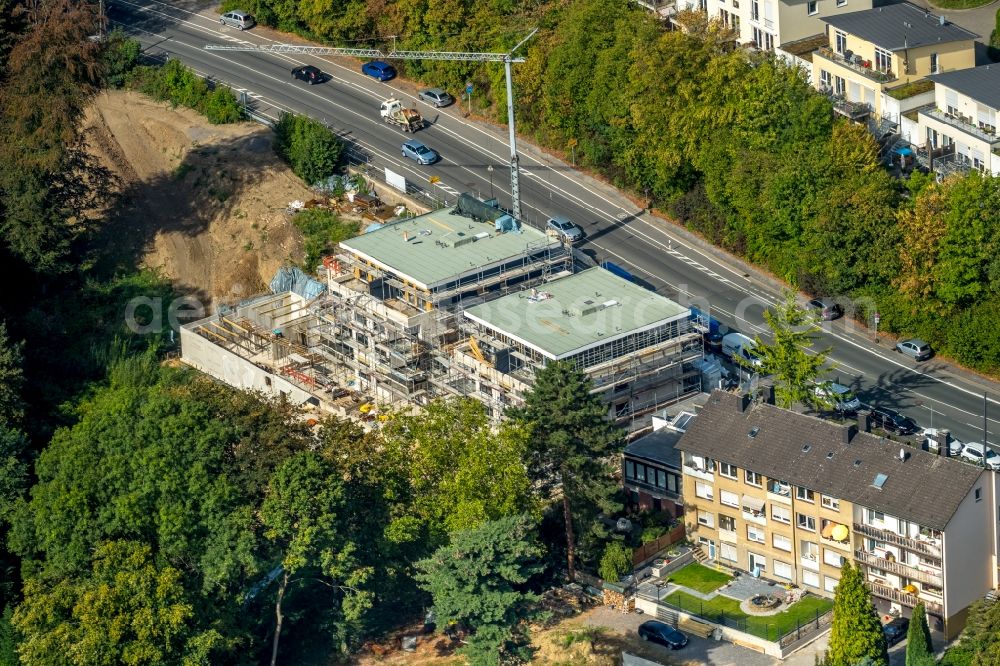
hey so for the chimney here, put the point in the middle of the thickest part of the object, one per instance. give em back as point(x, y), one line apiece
point(903, 455)
point(406, 236)
point(864, 420)
point(743, 401)
point(767, 392)
point(941, 19)
point(941, 437)
point(847, 433)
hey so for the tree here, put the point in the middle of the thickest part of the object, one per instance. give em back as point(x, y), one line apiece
point(308, 146)
point(129, 611)
point(856, 632)
point(979, 644)
point(570, 445)
point(919, 649)
point(479, 582)
point(616, 561)
point(301, 519)
point(788, 358)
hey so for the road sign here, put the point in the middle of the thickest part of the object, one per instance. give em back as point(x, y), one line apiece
point(468, 87)
point(878, 317)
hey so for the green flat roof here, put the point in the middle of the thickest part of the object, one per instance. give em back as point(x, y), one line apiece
point(438, 247)
point(573, 313)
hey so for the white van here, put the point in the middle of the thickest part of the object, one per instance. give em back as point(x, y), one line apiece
point(739, 348)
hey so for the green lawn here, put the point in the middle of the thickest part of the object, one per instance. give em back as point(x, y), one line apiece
point(959, 4)
point(699, 578)
point(769, 627)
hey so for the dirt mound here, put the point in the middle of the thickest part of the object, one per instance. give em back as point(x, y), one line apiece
point(203, 203)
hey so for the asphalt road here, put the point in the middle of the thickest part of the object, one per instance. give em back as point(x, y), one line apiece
point(661, 256)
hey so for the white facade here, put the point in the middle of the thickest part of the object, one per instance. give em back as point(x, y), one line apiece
point(771, 23)
point(967, 573)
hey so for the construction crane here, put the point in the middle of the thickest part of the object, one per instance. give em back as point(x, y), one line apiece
point(506, 58)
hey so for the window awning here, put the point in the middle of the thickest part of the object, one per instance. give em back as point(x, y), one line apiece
point(753, 503)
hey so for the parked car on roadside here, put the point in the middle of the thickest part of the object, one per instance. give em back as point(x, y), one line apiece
point(309, 74)
point(435, 97)
point(664, 634)
point(892, 421)
point(895, 631)
point(929, 437)
point(419, 153)
point(915, 348)
point(238, 19)
point(826, 309)
point(973, 452)
point(563, 227)
point(377, 69)
point(841, 398)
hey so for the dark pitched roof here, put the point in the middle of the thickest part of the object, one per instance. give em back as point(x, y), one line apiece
point(899, 26)
point(657, 446)
point(926, 488)
point(980, 83)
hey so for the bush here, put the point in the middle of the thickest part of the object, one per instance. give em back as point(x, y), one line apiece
point(176, 83)
point(616, 562)
point(120, 55)
point(309, 147)
point(322, 230)
point(221, 106)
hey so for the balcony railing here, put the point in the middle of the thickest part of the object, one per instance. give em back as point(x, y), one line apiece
point(867, 72)
point(967, 127)
point(900, 597)
point(932, 548)
point(897, 568)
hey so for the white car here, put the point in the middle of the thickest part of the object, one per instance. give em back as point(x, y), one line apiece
point(929, 435)
point(973, 452)
point(843, 398)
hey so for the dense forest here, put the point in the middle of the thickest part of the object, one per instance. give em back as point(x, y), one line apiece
point(150, 516)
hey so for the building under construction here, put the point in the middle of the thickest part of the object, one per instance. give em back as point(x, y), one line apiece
point(463, 301)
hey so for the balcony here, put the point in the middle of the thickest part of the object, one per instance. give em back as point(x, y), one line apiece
point(895, 567)
point(779, 492)
point(809, 562)
point(931, 546)
point(698, 472)
point(900, 597)
point(959, 122)
point(854, 64)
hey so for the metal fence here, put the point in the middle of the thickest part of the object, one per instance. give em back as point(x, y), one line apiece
point(762, 627)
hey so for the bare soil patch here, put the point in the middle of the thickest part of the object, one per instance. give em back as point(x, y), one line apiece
point(204, 204)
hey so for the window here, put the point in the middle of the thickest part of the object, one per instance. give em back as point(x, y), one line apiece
point(728, 552)
point(781, 542)
point(729, 499)
point(841, 3)
point(783, 570)
point(883, 60)
point(825, 81)
point(754, 11)
point(839, 85)
point(705, 518)
point(640, 472)
point(781, 514)
point(833, 558)
point(934, 63)
point(725, 469)
point(661, 479)
point(703, 490)
point(267, 381)
point(810, 578)
point(754, 479)
point(830, 503)
point(979, 494)
point(672, 483)
point(874, 516)
point(756, 562)
point(809, 550)
point(755, 533)
point(812, 7)
point(727, 523)
point(840, 42)
point(805, 522)
point(830, 583)
point(629, 469)
point(804, 494)
point(709, 465)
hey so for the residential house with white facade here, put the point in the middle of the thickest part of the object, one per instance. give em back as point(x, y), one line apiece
point(771, 23)
point(960, 130)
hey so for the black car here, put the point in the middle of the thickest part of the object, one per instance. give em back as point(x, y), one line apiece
point(892, 421)
point(309, 74)
point(663, 634)
point(895, 631)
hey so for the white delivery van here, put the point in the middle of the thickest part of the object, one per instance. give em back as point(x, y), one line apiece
point(739, 348)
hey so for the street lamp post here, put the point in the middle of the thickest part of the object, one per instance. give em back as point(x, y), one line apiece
point(490, 169)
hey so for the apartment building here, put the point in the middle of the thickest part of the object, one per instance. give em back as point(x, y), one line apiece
point(960, 129)
point(875, 59)
point(792, 497)
point(458, 302)
point(769, 24)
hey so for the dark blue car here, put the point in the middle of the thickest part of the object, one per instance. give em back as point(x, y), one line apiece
point(377, 69)
point(661, 633)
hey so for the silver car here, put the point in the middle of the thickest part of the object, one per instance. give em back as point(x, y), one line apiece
point(436, 97)
point(841, 397)
point(916, 349)
point(238, 19)
point(563, 227)
point(419, 153)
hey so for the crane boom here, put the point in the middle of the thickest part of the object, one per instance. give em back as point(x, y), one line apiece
point(506, 58)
